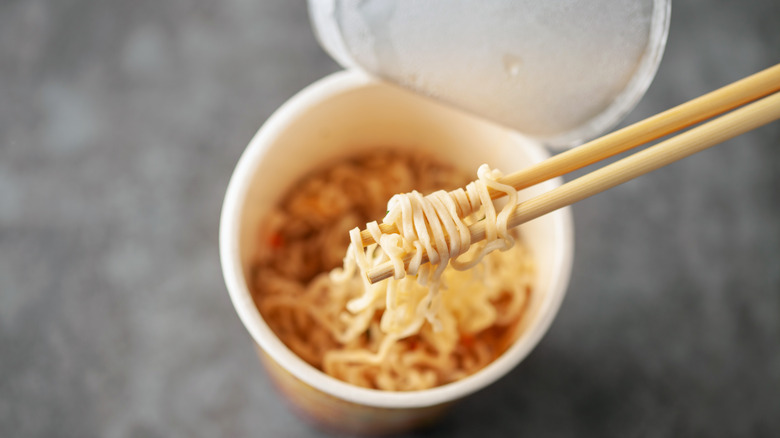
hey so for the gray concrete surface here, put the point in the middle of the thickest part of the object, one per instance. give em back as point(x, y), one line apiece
point(120, 123)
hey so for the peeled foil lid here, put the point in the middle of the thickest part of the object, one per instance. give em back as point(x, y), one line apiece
point(559, 71)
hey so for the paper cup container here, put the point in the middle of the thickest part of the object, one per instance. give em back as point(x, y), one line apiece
point(338, 116)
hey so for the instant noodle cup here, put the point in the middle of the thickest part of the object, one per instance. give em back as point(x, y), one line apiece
point(341, 115)
point(559, 72)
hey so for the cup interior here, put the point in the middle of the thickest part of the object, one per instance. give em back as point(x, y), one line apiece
point(347, 113)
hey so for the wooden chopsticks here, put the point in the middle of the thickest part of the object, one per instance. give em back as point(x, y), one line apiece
point(718, 130)
point(672, 120)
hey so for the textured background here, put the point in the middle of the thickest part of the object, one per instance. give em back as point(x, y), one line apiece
point(120, 123)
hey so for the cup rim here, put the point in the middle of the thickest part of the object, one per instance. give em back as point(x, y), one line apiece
point(232, 210)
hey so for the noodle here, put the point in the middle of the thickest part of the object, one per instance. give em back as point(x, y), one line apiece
point(432, 323)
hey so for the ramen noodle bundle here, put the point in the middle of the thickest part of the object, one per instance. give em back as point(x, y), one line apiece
point(432, 323)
